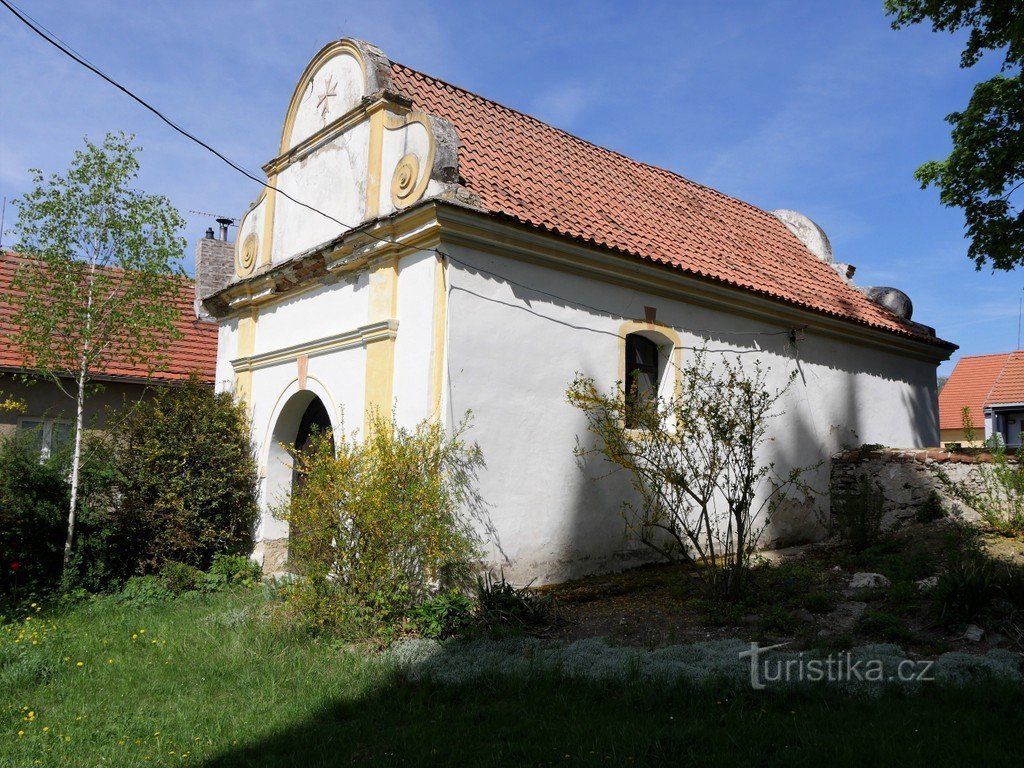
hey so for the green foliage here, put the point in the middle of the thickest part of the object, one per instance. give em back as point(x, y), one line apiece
point(174, 481)
point(188, 481)
point(986, 167)
point(931, 508)
point(886, 625)
point(693, 460)
point(778, 620)
point(100, 281)
point(857, 515)
point(443, 615)
point(379, 525)
point(33, 500)
point(235, 569)
point(997, 490)
point(179, 578)
point(502, 605)
point(144, 591)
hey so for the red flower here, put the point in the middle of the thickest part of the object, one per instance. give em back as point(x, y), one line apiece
point(15, 565)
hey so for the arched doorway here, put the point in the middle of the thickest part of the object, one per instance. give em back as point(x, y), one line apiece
point(302, 417)
point(315, 422)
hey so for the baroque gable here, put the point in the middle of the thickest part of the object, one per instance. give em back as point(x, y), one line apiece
point(351, 148)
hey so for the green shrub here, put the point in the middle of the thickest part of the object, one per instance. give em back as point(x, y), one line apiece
point(144, 591)
point(500, 604)
point(188, 479)
point(931, 509)
point(377, 526)
point(33, 507)
point(819, 601)
point(885, 625)
point(857, 515)
point(235, 569)
point(179, 578)
point(443, 616)
point(777, 619)
point(34, 497)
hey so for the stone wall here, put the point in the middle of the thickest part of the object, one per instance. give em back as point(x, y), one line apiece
point(907, 477)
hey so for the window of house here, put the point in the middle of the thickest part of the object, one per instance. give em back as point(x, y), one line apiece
point(48, 435)
point(643, 373)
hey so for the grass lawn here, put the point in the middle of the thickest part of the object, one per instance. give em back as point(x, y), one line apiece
point(206, 681)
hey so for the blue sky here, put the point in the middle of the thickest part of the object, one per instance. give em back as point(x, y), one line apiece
point(818, 107)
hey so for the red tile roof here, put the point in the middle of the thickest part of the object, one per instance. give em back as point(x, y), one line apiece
point(196, 351)
point(1009, 385)
point(544, 177)
point(969, 385)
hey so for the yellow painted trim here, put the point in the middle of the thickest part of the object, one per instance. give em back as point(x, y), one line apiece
point(267, 241)
point(438, 348)
point(326, 53)
point(397, 123)
point(357, 337)
point(246, 346)
point(375, 161)
point(380, 356)
point(668, 336)
point(240, 240)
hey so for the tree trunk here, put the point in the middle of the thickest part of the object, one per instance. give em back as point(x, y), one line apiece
point(76, 460)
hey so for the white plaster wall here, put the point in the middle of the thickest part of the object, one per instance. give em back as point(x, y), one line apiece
point(227, 347)
point(411, 139)
point(513, 353)
point(331, 179)
point(413, 345)
point(314, 314)
point(337, 377)
point(346, 76)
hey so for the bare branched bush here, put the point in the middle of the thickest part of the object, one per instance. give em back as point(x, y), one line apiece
point(704, 493)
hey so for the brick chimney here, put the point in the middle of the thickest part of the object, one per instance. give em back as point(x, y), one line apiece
point(215, 267)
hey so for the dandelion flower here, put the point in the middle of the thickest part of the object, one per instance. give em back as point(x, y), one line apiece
point(80, 664)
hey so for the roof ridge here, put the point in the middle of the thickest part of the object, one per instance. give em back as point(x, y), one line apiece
point(573, 136)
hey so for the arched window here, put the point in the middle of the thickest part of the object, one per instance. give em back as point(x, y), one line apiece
point(643, 376)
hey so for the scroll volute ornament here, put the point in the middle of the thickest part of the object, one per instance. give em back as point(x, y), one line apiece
point(405, 180)
point(247, 255)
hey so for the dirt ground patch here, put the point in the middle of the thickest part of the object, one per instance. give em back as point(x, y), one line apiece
point(801, 596)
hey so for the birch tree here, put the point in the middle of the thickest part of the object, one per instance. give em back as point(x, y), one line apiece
point(99, 278)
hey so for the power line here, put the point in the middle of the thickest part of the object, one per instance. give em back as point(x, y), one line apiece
point(66, 49)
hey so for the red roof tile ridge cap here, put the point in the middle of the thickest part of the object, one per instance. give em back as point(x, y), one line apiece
point(988, 354)
point(574, 137)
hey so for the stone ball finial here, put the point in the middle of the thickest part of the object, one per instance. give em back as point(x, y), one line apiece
point(893, 299)
point(807, 232)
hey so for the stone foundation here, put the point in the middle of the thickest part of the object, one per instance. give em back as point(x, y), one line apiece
point(272, 555)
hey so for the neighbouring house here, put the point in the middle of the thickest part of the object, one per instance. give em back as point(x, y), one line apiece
point(50, 414)
point(991, 387)
point(422, 249)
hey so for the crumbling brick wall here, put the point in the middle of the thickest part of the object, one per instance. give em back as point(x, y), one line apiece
point(907, 477)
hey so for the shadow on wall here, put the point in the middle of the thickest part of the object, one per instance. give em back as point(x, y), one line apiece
point(842, 395)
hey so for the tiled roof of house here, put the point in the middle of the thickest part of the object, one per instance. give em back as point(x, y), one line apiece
point(196, 351)
point(1009, 385)
point(546, 178)
point(969, 386)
